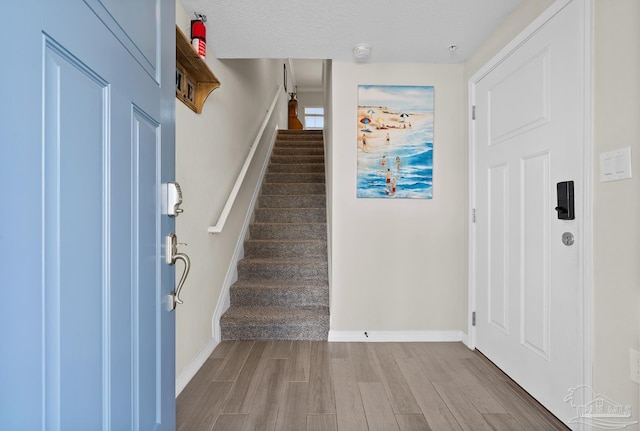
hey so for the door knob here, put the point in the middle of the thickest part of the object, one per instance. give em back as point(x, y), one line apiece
point(568, 239)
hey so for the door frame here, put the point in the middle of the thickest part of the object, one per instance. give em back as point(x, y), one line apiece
point(586, 176)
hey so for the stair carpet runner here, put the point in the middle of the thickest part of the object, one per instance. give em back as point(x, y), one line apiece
point(282, 291)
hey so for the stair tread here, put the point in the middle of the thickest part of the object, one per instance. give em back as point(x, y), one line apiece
point(284, 137)
point(298, 207)
point(299, 164)
point(300, 143)
point(288, 241)
point(294, 183)
point(276, 208)
point(297, 155)
point(281, 209)
point(295, 195)
point(301, 185)
point(292, 224)
point(287, 183)
point(301, 174)
point(271, 314)
point(295, 177)
point(282, 284)
point(296, 261)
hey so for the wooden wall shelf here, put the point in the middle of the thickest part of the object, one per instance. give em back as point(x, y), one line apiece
point(194, 80)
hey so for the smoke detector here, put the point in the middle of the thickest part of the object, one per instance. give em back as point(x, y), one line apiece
point(362, 51)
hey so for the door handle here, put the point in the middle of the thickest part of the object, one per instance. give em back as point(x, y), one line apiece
point(566, 206)
point(172, 256)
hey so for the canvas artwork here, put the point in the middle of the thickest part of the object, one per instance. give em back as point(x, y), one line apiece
point(395, 141)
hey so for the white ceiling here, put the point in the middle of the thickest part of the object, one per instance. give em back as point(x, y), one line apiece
point(307, 74)
point(398, 31)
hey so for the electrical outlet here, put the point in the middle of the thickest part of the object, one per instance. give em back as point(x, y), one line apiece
point(634, 359)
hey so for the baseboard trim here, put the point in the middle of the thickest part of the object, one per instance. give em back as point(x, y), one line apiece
point(397, 336)
point(190, 370)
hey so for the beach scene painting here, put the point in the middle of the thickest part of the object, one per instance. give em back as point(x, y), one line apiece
point(395, 141)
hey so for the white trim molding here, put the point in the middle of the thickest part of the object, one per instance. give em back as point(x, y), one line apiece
point(397, 336)
point(190, 370)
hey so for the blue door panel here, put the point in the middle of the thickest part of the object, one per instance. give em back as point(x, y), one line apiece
point(86, 140)
point(146, 367)
point(75, 146)
point(140, 38)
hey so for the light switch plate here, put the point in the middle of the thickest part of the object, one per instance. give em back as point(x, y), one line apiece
point(615, 165)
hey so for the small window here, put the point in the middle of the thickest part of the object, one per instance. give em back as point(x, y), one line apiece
point(313, 118)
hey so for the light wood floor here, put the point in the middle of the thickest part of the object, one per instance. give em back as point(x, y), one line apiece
point(301, 385)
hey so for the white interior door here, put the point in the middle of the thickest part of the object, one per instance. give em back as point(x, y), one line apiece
point(527, 282)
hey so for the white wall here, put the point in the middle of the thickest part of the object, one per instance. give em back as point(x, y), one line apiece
point(210, 150)
point(312, 99)
point(398, 265)
point(617, 204)
point(401, 265)
point(517, 20)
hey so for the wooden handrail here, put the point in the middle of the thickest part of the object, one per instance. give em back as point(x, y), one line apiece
point(217, 228)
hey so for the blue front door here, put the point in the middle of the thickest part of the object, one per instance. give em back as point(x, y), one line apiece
point(87, 140)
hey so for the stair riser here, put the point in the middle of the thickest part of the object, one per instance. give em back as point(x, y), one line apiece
point(281, 297)
point(304, 168)
point(317, 177)
point(275, 332)
point(248, 270)
point(296, 201)
point(290, 215)
point(318, 137)
point(303, 134)
point(302, 151)
point(297, 159)
point(293, 143)
point(288, 231)
point(293, 189)
point(286, 249)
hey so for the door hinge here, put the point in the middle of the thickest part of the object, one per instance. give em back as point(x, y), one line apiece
point(473, 215)
point(473, 112)
point(473, 318)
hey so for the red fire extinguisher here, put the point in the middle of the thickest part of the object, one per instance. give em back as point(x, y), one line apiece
point(199, 35)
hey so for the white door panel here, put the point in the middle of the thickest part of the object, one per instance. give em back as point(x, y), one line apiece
point(526, 139)
point(529, 82)
point(498, 276)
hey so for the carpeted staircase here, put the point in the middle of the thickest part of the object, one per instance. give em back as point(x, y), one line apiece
point(282, 291)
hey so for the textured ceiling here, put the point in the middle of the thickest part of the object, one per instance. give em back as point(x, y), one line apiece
point(398, 31)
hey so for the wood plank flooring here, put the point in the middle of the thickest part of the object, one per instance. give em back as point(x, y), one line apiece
point(321, 386)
